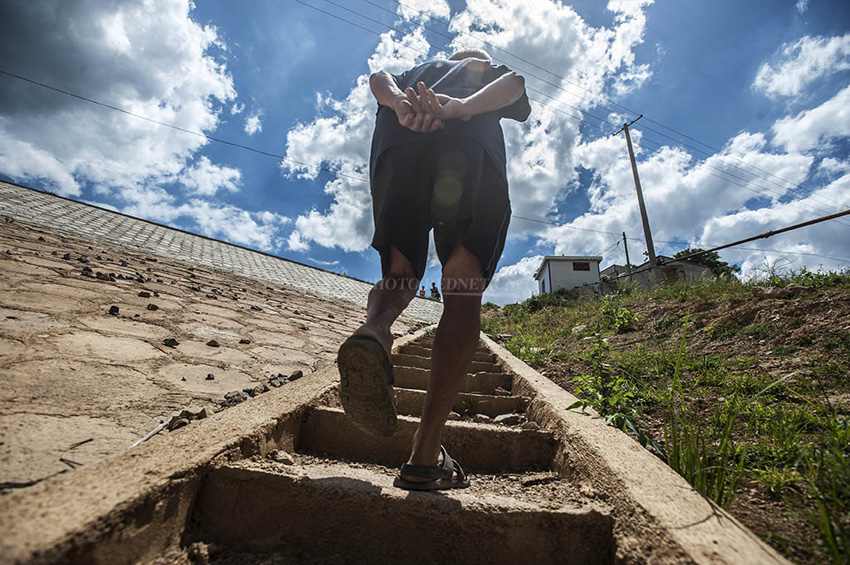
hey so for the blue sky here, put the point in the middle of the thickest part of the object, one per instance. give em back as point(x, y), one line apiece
point(746, 127)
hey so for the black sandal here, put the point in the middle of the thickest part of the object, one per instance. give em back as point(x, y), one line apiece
point(442, 476)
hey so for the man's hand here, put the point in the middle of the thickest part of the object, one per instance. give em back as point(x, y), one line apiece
point(413, 115)
point(443, 107)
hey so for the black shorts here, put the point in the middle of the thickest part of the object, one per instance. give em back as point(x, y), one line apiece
point(448, 184)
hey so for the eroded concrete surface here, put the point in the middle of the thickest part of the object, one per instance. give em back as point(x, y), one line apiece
point(70, 372)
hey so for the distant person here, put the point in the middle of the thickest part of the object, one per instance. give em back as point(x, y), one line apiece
point(422, 292)
point(435, 292)
point(437, 162)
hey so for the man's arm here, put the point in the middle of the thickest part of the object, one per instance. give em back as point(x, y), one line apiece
point(502, 92)
point(388, 94)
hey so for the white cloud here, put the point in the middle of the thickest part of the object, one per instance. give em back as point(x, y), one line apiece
point(802, 6)
point(205, 178)
point(540, 163)
point(149, 58)
point(421, 10)
point(253, 124)
point(813, 129)
point(513, 283)
point(801, 63)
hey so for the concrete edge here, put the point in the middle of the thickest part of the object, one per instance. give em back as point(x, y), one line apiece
point(139, 503)
point(632, 478)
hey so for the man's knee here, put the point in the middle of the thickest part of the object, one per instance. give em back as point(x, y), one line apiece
point(463, 274)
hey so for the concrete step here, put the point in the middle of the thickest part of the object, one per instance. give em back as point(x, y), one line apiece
point(410, 402)
point(481, 383)
point(406, 360)
point(339, 513)
point(478, 447)
point(482, 355)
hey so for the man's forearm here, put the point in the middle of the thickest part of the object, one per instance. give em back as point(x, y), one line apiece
point(384, 88)
point(502, 92)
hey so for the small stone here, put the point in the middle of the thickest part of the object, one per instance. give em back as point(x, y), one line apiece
point(40, 238)
point(508, 419)
point(170, 342)
point(260, 389)
point(282, 457)
point(102, 276)
point(481, 419)
point(257, 308)
point(212, 297)
point(64, 239)
point(176, 422)
point(454, 416)
point(195, 413)
point(123, 263)
point(244, 341)
point(213, 343)
point(54, 253)
point(152, 307)
point(530, 425)
point(303, 327)
point(195, 288)
point(144, 294)
point(83, 259)
point(210, 377)
point(99, 258)
point(113, 310)
point(67, 256)
point(296, 375)
point(235, 397)
point(135, 315)
point(156, 294)
point(331, 316)
point(183, 379)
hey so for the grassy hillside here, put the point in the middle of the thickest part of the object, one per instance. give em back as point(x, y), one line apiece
point(740, 387)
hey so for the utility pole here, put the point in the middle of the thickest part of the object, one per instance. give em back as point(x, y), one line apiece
point(650, 248)
point(626, 249)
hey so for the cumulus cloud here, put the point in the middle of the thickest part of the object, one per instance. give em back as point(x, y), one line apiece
point(514, 283)
point(801, 63)
point(253, 124)
point(541, 165)
point(149, 58)
point(205, 178)
point(812, 129)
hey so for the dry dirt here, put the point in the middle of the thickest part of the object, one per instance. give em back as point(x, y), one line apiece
point(78, 384)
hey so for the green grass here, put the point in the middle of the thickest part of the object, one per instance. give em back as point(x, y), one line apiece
point(717, 417)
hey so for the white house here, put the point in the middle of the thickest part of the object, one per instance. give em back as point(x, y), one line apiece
point(566, 272)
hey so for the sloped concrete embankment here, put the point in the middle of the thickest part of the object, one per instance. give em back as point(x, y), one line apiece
point(285, 475)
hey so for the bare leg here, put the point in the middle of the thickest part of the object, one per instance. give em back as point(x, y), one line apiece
point(454, 347)
point(388, 299)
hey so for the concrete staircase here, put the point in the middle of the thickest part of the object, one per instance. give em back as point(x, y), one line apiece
point(337, 502)
point(285, 479)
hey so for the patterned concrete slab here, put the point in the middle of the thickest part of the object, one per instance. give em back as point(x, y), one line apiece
point(69, 216)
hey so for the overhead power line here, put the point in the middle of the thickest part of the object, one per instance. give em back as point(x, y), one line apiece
point(583, 114)
point(234, 144)
point(596, 95)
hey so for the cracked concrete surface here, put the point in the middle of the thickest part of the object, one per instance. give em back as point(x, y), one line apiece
point(70, 371)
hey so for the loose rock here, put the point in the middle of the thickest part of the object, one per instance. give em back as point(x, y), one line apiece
point(282, 457)
point(210, 377)
point(152, 307)
point(170, 342)
point(257, 308)
point(213, 343)
point(113, 310)
point(235, 397)
point(481, 419)
point(296, 375)
point(144, 294)
point(244, 341)
point(508, 419)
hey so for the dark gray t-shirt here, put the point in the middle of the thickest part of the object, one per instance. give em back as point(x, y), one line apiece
point(458, 79)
